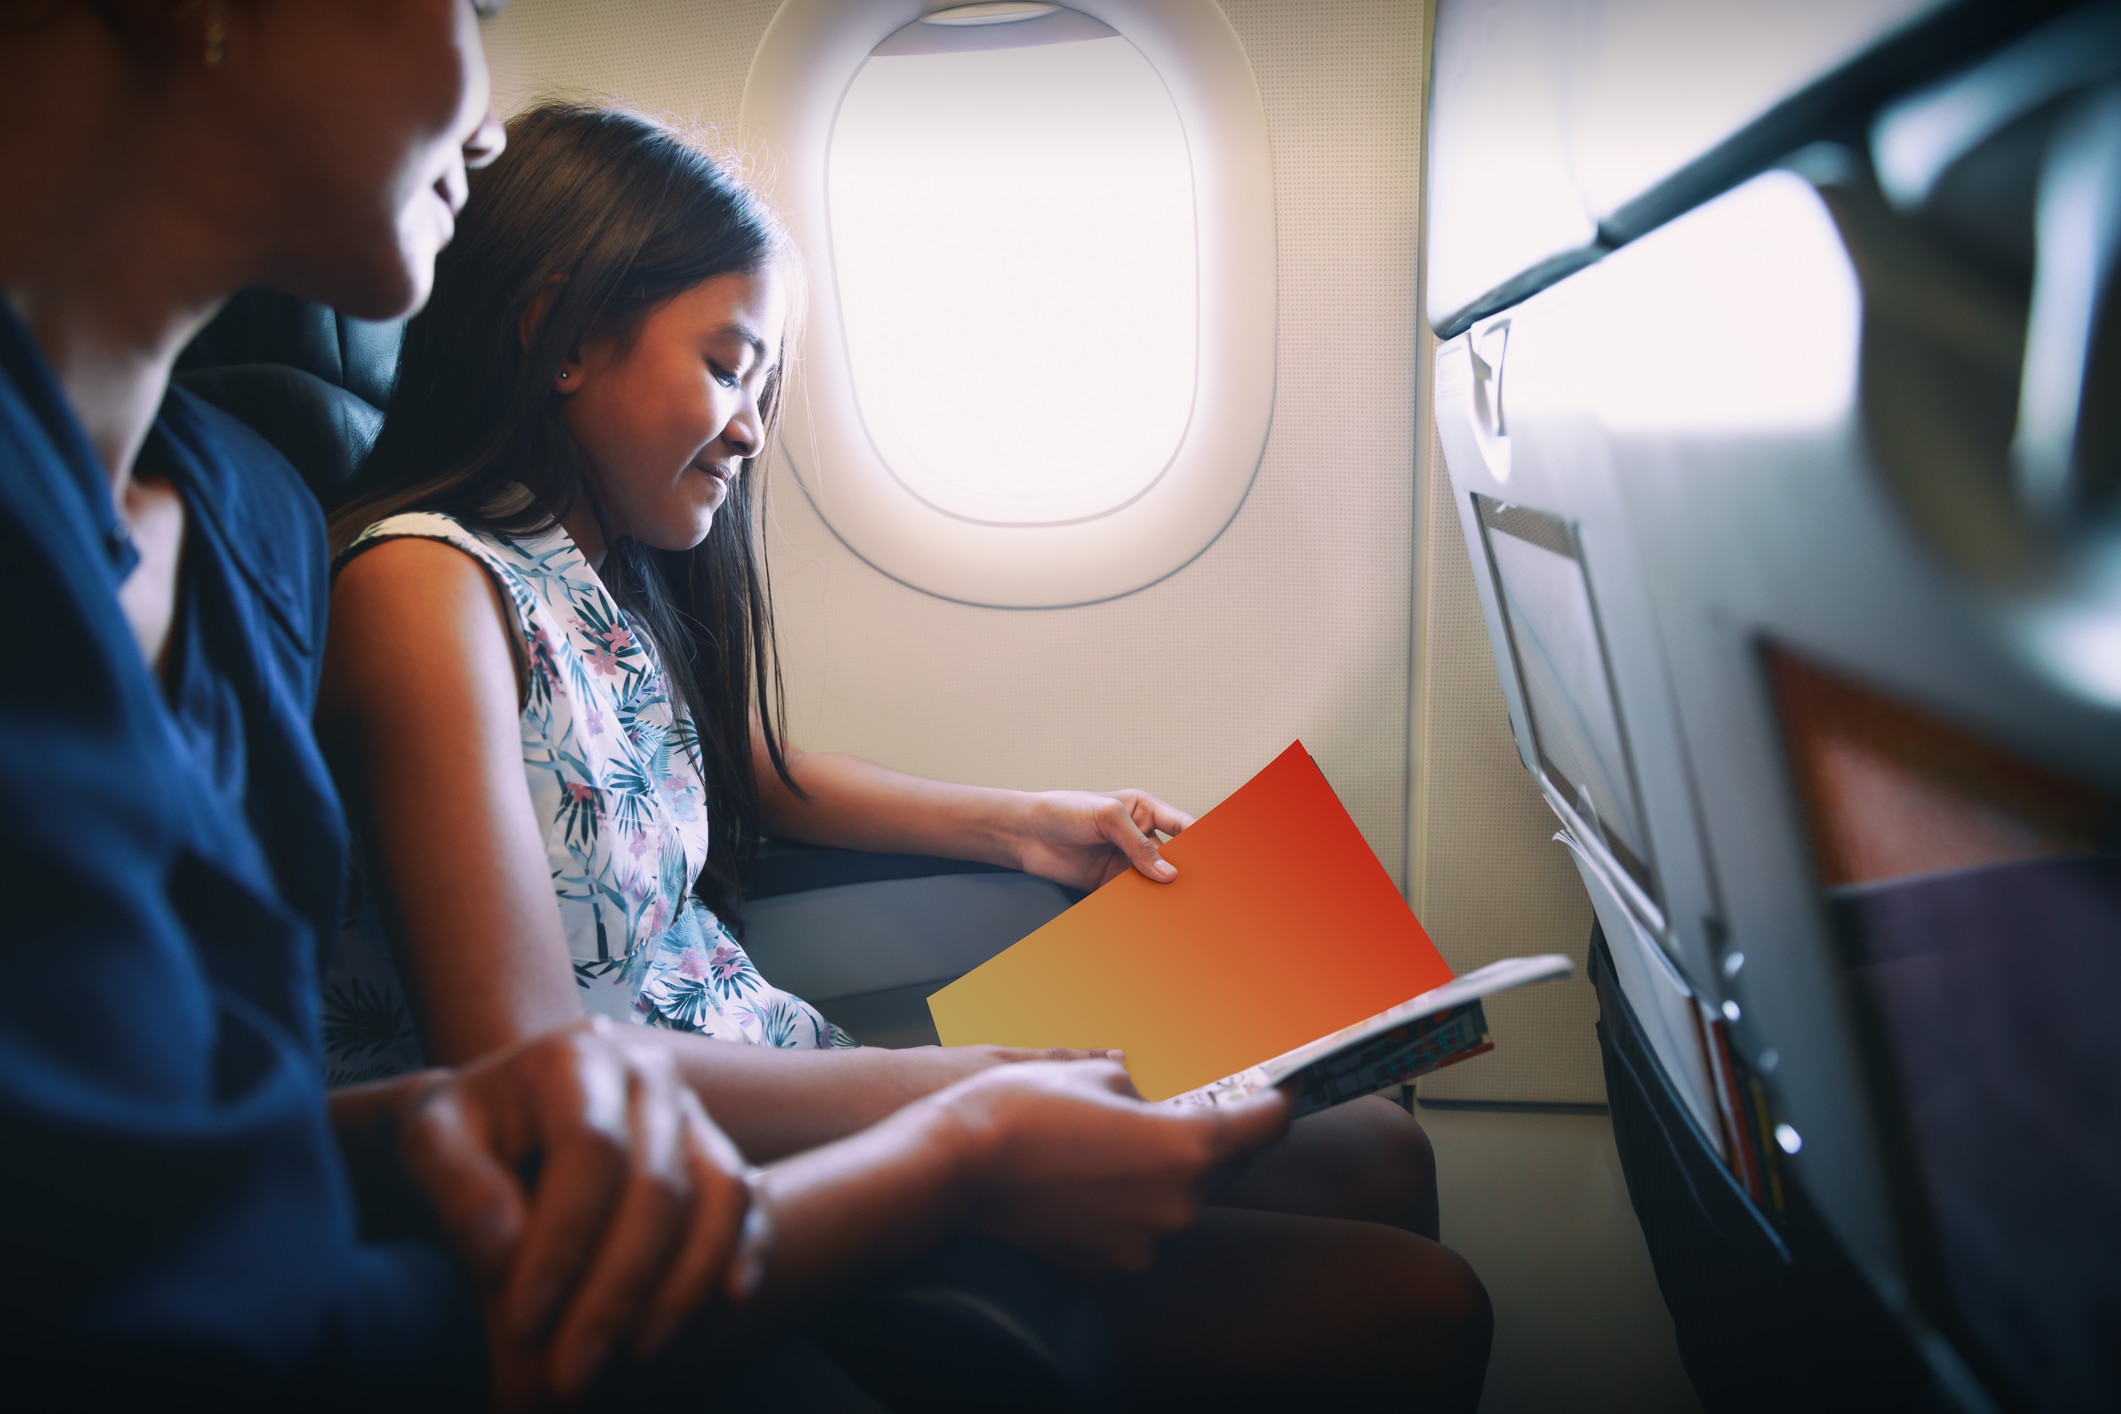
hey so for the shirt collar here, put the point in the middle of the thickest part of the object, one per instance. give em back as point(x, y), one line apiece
point(25, 366)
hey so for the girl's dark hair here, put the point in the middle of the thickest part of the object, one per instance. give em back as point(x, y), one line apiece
point(613, 214)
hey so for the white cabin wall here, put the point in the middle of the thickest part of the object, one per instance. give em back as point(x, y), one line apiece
point(1489, 882)
point(1300, 621)
point(684, 60)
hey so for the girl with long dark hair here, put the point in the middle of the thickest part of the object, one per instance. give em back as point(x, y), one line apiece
point(551, 693)
point(579, 417)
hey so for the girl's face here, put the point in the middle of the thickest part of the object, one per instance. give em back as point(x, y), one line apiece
point(670, 415)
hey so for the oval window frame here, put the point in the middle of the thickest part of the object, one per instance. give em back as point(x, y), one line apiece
point(804, 64)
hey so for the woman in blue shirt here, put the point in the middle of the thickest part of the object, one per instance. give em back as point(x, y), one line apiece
point(184, 1210)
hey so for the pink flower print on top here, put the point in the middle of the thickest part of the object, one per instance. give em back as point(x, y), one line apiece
point(578, 813)
point(678, 794)
point(732, 971)
point(608, 644)
point(544, 673)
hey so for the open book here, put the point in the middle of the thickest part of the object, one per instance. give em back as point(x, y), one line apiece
point(1427, 1033)
point(1282, 953)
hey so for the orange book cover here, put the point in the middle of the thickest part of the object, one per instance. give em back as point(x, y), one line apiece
point(1281, 927)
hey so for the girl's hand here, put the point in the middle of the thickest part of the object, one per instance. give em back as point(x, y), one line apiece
point(927, 1069)
point(1071, 1163)
point(1083, 838)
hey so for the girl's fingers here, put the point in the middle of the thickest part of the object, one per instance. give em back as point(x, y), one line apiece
point(1117, 825)
point(1151, 814)
point(479, 1203)
point(642, 1237)
point(1247, 1124)
point(585, 1142)
point(722, 1195)
point(1167, 818)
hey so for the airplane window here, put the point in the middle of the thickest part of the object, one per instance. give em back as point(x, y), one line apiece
point(1013, 240)
point(1039, 362)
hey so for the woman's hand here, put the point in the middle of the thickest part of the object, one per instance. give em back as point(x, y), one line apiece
point(631, 1223)
point(1084, 838)
point(1071, 1163)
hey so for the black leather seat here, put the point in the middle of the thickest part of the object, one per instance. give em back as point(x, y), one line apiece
point(311, 381)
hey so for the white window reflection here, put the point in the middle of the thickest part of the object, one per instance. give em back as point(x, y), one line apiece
point(1014, 249)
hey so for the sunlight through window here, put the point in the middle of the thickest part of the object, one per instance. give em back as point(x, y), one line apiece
point(1013, 241)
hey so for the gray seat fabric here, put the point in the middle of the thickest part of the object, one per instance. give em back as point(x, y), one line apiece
point(868, 954)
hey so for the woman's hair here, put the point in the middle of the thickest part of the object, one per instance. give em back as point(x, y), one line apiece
point(612, 214)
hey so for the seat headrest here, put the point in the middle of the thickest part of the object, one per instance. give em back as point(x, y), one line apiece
point(325, 431)
point(264, 326)
point(308, 379)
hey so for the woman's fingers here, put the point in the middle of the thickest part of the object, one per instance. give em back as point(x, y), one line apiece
point(634, 1217)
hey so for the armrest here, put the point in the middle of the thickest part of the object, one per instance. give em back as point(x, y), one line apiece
point(785, 867)
point(866, 937)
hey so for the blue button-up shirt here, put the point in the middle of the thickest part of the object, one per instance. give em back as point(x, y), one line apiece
point(173, 1205)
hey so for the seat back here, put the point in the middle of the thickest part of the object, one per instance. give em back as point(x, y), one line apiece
point(1798, 542)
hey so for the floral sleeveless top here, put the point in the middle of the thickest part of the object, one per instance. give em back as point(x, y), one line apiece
point(615, 779)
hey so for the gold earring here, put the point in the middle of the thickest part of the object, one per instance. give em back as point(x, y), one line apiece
point(216, 35)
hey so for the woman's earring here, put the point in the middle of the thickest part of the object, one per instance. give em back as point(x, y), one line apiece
point(216, 35)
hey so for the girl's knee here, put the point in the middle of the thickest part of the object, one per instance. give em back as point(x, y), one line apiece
point(1432, 1321)
point(1464, 1321)
point(1398, 1162)
point(1463, 1302)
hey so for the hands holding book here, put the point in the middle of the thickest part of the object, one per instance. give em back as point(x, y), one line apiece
point(642, 1217)
point(1074, 1165)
